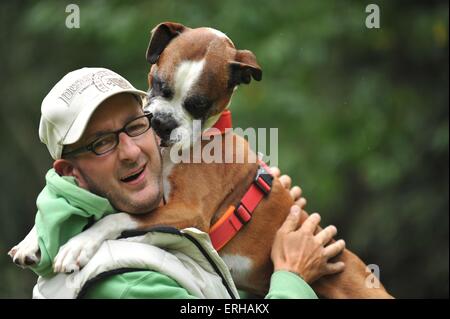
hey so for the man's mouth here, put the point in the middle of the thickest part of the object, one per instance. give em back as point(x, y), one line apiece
point(133, 176)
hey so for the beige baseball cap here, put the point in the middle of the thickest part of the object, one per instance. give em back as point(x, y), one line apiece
point(67, 108)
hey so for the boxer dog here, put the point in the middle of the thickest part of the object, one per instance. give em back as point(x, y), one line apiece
point(193, 75)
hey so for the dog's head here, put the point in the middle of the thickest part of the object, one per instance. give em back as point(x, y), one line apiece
point(193, 75)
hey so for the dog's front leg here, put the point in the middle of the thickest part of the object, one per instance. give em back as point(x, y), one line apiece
point(77, 252)
point(27, 252)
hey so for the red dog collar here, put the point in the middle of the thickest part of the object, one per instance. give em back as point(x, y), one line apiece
point(222, 123)
point(235, 218)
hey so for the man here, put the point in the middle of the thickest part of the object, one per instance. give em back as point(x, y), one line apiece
point(94, 127)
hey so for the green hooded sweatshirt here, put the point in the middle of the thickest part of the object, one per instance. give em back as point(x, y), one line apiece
point(65, 210)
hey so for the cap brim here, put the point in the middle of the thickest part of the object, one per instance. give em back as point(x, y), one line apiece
point(79, 125)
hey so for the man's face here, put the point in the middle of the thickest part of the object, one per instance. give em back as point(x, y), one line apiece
point(130, 175)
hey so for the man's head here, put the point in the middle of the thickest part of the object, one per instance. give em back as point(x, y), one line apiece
point(97, 132)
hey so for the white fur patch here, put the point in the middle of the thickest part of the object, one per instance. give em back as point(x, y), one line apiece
point(240, 267)
point(28, 248)
point(186, 76)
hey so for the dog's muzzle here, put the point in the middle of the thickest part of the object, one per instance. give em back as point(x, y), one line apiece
point(163, 124)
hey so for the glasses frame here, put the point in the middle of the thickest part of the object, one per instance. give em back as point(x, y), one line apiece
point(90, 147)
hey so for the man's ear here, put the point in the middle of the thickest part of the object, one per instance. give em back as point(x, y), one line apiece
point(66, 168)
point(162, 34)
point(244, 68)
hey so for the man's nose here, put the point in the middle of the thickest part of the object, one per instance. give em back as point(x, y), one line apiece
point(163, 124)
point(127, 148)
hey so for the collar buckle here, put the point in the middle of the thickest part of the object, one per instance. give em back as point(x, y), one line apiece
point(264, 180)
point(242, 214)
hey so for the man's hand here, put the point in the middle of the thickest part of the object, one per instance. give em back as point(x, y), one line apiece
point(300, 251)
point(286, 182)
point(297, 249)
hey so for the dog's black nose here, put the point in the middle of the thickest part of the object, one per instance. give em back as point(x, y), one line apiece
point(163, 124)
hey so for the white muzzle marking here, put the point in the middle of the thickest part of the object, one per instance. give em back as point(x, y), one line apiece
point(186, 76)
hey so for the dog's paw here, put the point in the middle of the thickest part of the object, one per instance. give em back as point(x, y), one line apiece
point(76, 253)
point(79, 250)
point(26, 253)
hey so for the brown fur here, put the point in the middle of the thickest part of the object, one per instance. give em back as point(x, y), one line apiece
point(217, 186)
point(201, 193)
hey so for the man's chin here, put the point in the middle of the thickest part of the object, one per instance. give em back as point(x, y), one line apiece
point(139, 213)
point(141, 207)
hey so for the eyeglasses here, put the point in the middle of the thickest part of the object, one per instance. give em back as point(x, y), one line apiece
point(109, 141)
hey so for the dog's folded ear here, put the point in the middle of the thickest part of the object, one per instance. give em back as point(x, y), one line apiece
point(162, 34)
point(244, 68)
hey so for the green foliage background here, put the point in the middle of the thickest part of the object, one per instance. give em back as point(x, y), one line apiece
point(362, 113)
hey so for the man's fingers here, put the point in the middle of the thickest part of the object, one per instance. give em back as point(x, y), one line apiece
point(333, 268)
point(275, 171)
point(334, 249)
point(301, 202)
point(286, 181)
point(291, 222)
point(311, 223)
point(326, 234)
point(295, 192)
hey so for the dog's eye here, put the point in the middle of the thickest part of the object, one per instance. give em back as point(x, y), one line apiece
point(197, 106)
point(160, 88)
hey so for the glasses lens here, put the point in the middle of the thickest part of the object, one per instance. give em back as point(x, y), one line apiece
point(138, 126)
point(104, 144)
